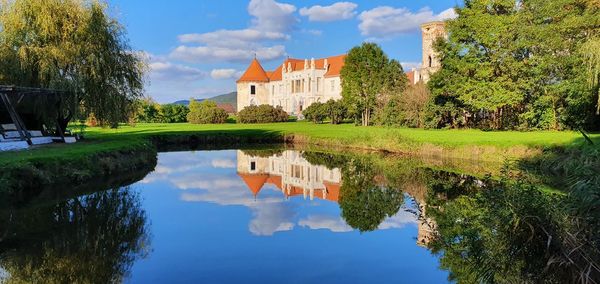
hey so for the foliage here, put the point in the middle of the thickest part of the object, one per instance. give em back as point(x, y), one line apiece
point(509, 232)
point(333, 110)
point(148, 111)
point(368, 77)
point(206, 112)
point(94, 238)
point(336, 111)
point(71, 45)
point(527, 74)
point(407, 109)
point(316, 112)
point(262, 114)
point(365, 204)
point(174, 113)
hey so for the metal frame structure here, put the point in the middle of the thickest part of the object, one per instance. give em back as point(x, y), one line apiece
point(20, 92)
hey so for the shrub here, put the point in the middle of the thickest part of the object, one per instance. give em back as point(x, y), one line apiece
point(206, 112)
point(262, 114)
point(333, 110)
point(148, 111)
point(316, 112)
point(336, 111)
point(173, 113)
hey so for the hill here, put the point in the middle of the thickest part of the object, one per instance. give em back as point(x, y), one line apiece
point(230, 98)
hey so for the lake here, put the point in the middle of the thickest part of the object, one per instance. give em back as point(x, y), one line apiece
point(279, 215)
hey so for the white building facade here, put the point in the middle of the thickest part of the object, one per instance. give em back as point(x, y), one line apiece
point(294, 85)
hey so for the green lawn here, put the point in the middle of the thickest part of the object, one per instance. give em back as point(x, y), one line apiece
point(453, 143)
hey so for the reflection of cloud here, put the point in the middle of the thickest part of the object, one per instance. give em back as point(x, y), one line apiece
point(224, 164)
point(334, 224)
point(271, 218)
point(401, 219)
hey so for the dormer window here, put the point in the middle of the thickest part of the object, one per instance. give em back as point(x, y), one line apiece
point(252, 90)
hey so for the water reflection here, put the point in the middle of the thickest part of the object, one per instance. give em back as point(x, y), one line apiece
point(255, 212)
point(90, 239)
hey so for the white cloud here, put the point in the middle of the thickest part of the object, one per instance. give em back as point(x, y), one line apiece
point(232, 37)
point(335, 12)
point(385, 21)
point(202, 54)
point(270, 15)
point(313, 32)
point(271, 20)
point(408, 66)
point(168, 71)
point(334, 224)
point(221, 74)
point(224, 164)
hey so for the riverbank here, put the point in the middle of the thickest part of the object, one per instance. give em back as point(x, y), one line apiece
point(80, 161)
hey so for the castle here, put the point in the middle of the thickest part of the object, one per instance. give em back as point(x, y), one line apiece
point(298, 83)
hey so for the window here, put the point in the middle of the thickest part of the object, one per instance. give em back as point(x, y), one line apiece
point(303, 85)
point(430, 61)
point(309, 84)
point(253, 166)
point(318, 83)
point(253, 90)
point(332, 86)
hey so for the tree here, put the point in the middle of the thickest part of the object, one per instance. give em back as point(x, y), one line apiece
point(517, 64)
point(316, 112)
point(336, 111)
point(74, 46)
point(206, 112)
point(367, 74)
point(174, 113)
point(148, 111)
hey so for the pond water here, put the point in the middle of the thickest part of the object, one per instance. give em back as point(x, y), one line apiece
point(273, 216)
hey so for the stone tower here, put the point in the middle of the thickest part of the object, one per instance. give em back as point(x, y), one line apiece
point(431, 62)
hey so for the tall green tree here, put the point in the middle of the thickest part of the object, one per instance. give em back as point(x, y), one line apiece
point(367, 74)
point(74, 46)
point(517, 64)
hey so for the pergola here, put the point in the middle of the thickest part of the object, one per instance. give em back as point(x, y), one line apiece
point(12, 96)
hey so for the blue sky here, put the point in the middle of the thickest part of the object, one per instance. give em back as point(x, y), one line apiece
point(197, 48)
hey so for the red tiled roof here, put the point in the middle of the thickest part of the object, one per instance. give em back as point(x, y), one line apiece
point(229, 108)
point(254, 73)
point(411, 76)
point(255, 182)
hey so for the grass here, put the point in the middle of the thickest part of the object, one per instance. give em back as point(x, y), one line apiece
point(467, 144)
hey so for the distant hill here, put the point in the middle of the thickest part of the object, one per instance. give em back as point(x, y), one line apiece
point(230, 98)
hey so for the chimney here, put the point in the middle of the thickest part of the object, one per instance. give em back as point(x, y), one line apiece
point(306, 64)
point(326, 65)
point(312, 63)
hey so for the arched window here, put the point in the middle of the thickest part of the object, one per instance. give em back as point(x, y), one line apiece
point(430, 61)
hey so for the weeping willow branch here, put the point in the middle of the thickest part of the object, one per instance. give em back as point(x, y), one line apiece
point(591, 54)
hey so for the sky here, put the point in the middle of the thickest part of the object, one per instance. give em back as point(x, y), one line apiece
point(199, 48)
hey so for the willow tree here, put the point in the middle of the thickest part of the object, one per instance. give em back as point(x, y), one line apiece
point(72, 46)
point(591, 53)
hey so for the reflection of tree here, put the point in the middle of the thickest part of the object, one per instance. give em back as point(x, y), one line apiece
point(363, 203)
point(507, 233)
point(89, 239)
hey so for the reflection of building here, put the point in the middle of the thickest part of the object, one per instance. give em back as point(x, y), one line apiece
point(290, 173)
